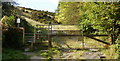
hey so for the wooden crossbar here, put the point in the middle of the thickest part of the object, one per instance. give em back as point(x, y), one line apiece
point(75, 35)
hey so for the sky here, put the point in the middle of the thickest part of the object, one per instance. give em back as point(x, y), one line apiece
point(47, 5)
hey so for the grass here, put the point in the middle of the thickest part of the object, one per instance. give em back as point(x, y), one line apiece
point(67, 42)
point(93, 43)
point(50, 53)
point(32, 22)
point(13, 54)
point(55, 27)
point(111, 53)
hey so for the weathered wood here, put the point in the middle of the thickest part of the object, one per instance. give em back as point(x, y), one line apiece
point(89, 36)
point(79, 48)
point(50, 34)
point(29, 33)
point(98, 40)
point(74, 35)
point(49, 38)
point(67, 30)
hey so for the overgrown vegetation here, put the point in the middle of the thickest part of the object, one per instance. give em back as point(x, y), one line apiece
point(13, 54)
point(40, 16)
point(12, 38)
point(8, 21)
point(51, 53)
point(113, 51)
point(94, 16)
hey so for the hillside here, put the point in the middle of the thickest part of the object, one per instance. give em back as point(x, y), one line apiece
point(96, 35)
point(38, 15)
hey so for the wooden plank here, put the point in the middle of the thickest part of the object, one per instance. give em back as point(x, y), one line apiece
point(75, 35)
point(29, 36)
point(43, 28)
point(98, 40)
point(29, 33)
point(66, 30)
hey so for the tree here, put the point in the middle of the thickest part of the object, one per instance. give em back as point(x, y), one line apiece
point(8, 21)
point(68, 13)
point(8, 8)
point(102, 16)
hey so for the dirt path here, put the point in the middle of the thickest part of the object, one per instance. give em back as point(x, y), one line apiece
point(72, 54)
point(93, 55)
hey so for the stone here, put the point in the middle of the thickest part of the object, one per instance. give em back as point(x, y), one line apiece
point(102, 56)
point(93, 50)
point(27, 49)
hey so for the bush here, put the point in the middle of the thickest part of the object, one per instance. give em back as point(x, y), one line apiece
point(117, 47)
point(113, 51)
point(52, 53)
point(13, 54)
point(12, 38)
point(8, 21)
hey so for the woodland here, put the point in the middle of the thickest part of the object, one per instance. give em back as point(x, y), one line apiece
point(80, 30)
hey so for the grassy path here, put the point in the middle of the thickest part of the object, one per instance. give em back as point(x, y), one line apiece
point(74, 54)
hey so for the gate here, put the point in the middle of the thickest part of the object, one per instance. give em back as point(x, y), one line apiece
point(63, 36)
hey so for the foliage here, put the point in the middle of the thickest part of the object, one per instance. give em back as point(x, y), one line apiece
point(50, 54)
point(113, 52)
point(27, 26)
point(13, 54)
point(117, 47)
point(12, 38)
point(8, 21)
point(8, 8)
point(40, 16)
point(102, 16)
point(67, 13)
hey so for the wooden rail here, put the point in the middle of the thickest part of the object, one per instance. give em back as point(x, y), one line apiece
point(74, 35)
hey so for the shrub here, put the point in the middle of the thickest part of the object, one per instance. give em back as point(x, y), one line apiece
point(8, 21)
point(113, 51)
point(53, 52)
point(13, 54)
point(12, 38)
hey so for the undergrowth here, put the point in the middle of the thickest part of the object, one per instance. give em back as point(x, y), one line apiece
point(51, 53)
point(113, 51)
point(13, 54)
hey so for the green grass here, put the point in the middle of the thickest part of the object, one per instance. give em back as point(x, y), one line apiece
point(65, 42)
point(32, 22)
point(112, 52)
point(13, 54)
point(56, 27)
point(51, 53)
point(93, 43)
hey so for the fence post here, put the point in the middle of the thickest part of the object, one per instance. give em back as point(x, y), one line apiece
point(23, 36)
point(113, 34)
point(83, 35)
point(34, 34)
point(34, 38)
point(49, 36)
